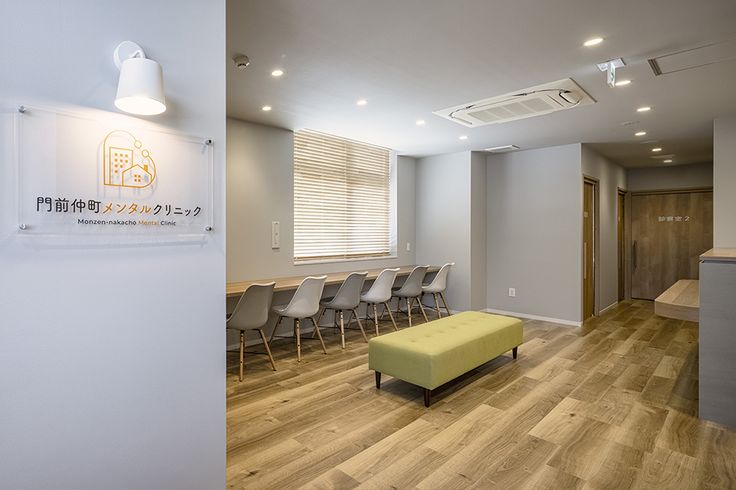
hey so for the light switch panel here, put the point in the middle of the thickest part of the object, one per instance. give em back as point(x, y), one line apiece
point(275, 234)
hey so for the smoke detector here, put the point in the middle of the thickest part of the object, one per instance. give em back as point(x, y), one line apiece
point(241, 61)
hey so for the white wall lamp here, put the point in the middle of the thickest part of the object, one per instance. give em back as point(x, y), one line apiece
point(141, 83)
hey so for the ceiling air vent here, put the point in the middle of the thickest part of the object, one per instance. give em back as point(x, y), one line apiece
point(688, 59)
point(520, 104)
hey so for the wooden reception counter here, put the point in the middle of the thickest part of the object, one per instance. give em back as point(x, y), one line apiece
point(717, 337)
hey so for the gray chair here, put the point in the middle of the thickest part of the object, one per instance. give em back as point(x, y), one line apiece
point(347, 298)
point(304, 304)
point(251, 313)
point(411, 291)
point(380, 294)
point(437, 288)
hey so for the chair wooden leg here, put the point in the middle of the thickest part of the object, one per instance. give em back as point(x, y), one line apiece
point(350, 318)
point(391, 315)
point(297, 334)
point(442, 295)
point(319, 334)
point(268, 349)
point(408, 309)
point(375, 317)
point(360, 324)
point(437, 305)
point(342, 329)
point(378, 380)
point(319, 318)
point(242, 352)
point(515, 351)
point(427, 396)
point(273, 332)
point(421, 308)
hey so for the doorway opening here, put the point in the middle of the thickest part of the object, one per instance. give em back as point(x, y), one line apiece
point(621, 242)
point(590, 225)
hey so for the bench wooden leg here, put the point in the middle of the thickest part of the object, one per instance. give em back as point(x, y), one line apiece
point(427, 395)
point(378, 380)
point(514, 351)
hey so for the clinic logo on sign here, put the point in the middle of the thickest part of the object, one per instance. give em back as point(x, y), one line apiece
point(126, 163)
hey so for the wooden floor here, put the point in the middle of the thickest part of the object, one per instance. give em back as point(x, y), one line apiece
point(610, 405)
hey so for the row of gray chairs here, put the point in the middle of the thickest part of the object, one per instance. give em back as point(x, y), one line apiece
point(251, 312)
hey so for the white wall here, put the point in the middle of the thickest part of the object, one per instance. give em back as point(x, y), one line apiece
point(260, 190)
point(443, 220)
point(672, 177)
point(535, 232)
point(94, 396)
point(724, 182)
point(611, 177)
point(478, 231)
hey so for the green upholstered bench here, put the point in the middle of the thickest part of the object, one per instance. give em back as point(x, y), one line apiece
point(434, 353)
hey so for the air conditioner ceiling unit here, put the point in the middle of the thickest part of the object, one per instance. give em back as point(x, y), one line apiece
point(519, 104)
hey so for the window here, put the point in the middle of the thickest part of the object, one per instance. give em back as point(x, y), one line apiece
point(342, 204)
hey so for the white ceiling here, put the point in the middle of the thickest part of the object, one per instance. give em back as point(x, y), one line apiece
point(411, 57)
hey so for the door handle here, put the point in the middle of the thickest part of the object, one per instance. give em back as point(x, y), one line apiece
point(633, 255)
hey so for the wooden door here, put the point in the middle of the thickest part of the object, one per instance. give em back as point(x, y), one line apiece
point(588, 249)
point(620, 224)
point(669, 231)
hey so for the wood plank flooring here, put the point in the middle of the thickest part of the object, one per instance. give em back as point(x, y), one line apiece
point(612, 404)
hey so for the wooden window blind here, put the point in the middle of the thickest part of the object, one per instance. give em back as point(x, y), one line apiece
point(342, 202)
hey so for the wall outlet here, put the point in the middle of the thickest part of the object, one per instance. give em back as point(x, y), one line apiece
point(512, 292)
point(408, 247)
point(275, 234)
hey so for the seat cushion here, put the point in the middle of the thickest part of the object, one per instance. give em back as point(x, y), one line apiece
point(434, 353)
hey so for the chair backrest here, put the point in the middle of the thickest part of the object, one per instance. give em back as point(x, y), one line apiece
point(413, 284)
point(439, 283)
point(252, 308)
point(348, 296)
point(380, 290)
point(305, 302)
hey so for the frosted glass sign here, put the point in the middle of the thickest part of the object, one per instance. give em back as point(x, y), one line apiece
point(78, 175)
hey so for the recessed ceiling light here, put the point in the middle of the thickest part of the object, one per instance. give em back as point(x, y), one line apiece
point(361, 102)
point(640, 133)
point(593, 42)
point(657, 149)
point(266, 108)
point(277, 73)
point(464, 137)
point(623, 83)
point(645, 108)
point(669, 160)
point(420, 122)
